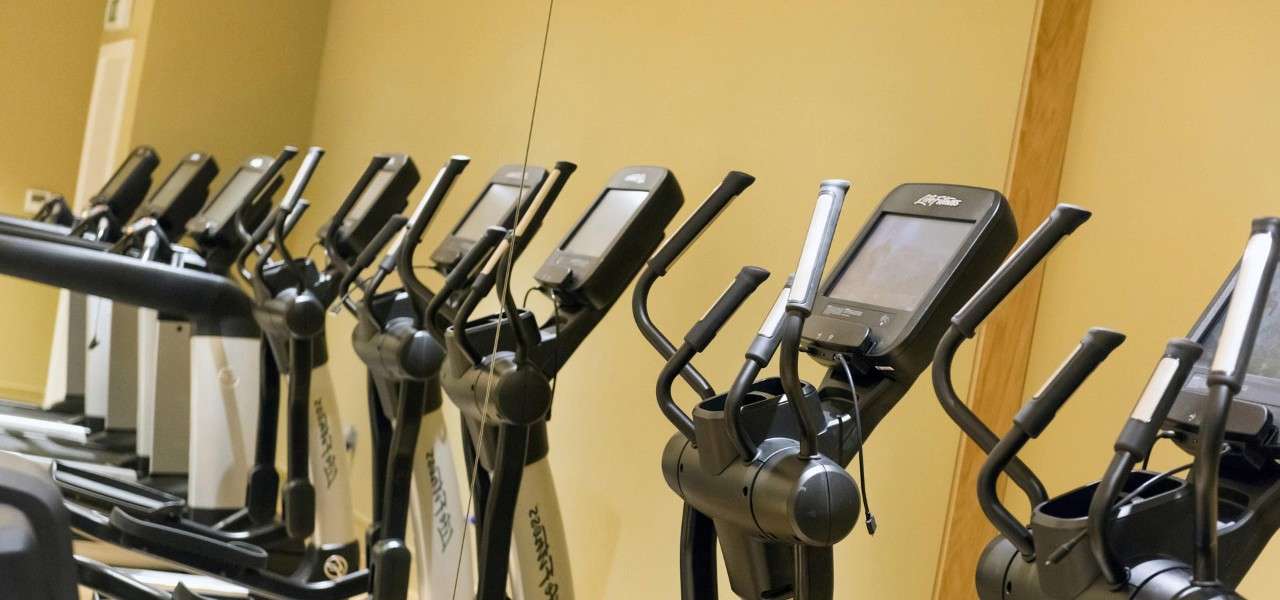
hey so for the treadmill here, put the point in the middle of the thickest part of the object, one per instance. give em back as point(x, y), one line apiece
point(114, 203)
point(215, 235)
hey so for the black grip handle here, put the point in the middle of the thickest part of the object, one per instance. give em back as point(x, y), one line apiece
point(1093, 349)
point(269, 174)
point(1140, 430)
point(461, 273)
point(1248, 299)
point(436, 192)
point(744, 284)
point(1064, 219)
point(370, 252)
point(817, 244)
point(348, 203)
point(733, 184)
point(565, 167)
point(302, 177)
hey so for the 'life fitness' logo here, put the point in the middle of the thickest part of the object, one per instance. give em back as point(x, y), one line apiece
point(938, 200)
point(635, 178)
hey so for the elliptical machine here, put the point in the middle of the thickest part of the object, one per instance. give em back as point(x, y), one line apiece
point(1140, 535)
point(761, 468)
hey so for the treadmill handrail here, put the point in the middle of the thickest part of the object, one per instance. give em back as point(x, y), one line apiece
point(213, 304)
point(50, 235)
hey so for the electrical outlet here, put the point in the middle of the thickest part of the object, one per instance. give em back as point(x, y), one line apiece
point(36, 198)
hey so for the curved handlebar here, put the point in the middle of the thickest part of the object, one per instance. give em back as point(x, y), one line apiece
point(804, 290)
point(422, 216)
point(733, 184)
point(1134, 444)
point(1030, 423)
point(1226, 376)
point(697, 339)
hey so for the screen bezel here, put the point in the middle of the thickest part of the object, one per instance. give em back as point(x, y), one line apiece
point(193, 165)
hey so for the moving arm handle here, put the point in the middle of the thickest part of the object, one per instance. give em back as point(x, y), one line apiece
point(1030, 422)
point(759, 353)
point(1226, 376)
point(1064, 219)
point(804, 291)
point(370, 252)
point(503, 258)
point(459, 276)
point(1134, 444)
point(697, 340)
point(817, 244)
point(273, 169)
point(407, 246)
point(734, 183)
point(335, 222)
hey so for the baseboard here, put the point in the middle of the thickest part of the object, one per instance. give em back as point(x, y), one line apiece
point(12, 390)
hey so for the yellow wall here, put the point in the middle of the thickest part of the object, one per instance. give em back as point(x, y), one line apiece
point(233, 78)
point(47, 72)
point(1171, 148)
point(880, 93)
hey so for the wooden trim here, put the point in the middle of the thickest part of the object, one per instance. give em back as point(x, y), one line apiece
point(1004, 343)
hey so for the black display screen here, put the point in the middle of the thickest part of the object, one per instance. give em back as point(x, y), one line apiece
point(1265, 360)
point(900, 261)
point(488, 211)
point(230, 198)
point(607, 218)
point(172, 188)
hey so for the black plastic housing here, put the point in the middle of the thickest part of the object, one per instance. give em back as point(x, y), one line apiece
point(598, 280)
point(380, 193)
point(182, 194)
point(454, 246)
point(127, 188)
point(891, 337)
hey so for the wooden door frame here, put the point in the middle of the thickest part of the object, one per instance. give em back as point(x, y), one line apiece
point(1004, 342)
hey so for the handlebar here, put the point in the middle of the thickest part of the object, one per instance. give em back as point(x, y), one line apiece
point(733, 184)
point(422, 216)
point(817, 244)
point(804, 290)
point(1226, 376)
point(697, 340)
point(1134, 444)
point(1030, 422)
point(1064, 219)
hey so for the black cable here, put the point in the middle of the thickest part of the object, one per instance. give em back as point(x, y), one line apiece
point(862, 464)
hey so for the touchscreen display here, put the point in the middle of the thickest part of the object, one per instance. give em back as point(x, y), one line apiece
point(488, 211)
point(371, 193)
point(1265, 360)
point(610, 214)
point(231, 198)
point(172, 188)
point(900, 261)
